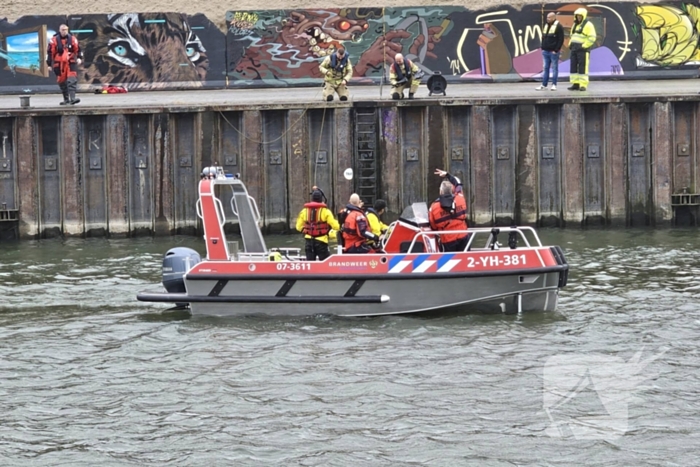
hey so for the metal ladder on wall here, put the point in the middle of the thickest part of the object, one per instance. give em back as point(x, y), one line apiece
point(366, 154)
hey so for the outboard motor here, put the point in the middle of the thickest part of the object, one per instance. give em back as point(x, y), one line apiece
point(176, 263)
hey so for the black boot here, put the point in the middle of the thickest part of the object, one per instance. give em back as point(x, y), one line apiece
point(329, 98)
point(582, 88)
point(73, 100)
point(66, 100)
point(396, 96)
point(575, 87)
point(410, 95)
point(343, 98)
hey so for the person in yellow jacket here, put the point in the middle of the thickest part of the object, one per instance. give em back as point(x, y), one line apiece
point(373, 217)
point(582, 38)
point(315, 221)
point(403, 74)
point(336, 70)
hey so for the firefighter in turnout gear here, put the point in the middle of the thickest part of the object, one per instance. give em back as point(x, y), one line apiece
point(356, 230)
point(63, 55)
point(403, 74)
point(449, 212)
point(582, 38)
point(337, 71)
point(315, 221)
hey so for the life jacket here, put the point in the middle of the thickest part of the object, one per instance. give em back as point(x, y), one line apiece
point(314, 226)
point(578, 27)
point(449, 217)
point(550, 29)
point(339, 66)
point(578, 38)
point(70, 45)
point(354, 227)
point(406, 72)
point(63, 56)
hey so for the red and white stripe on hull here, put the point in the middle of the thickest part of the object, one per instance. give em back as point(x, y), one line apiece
point(522, 259)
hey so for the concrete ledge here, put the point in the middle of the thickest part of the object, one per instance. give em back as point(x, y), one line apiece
point(293, 98)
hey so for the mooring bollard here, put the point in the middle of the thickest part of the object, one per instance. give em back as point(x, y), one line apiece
point(24, 101)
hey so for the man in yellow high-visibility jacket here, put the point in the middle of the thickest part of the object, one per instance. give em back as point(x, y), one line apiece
point(581, 40)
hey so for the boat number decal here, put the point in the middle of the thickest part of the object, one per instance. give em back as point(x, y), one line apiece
point(293, 266)
point(505, 260)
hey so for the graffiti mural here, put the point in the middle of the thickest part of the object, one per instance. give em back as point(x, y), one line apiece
point(285, 47)
point(138, 51)
point(669, 35)
point(493, 45)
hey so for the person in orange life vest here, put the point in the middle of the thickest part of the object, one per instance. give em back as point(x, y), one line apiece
point(356, 230)
point(316, 221)
point(449, 212)
point(63, 55)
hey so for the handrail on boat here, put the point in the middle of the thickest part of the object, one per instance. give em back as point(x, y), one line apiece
point(253, 203)
point(479, 230)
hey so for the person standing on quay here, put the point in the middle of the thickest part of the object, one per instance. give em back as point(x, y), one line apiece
point(63, 55)
point(552, 42)
point(582, 39)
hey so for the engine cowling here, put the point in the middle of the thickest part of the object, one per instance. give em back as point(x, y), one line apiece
point(176, 263)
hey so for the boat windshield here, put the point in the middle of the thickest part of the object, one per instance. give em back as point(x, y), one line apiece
point(416, 214)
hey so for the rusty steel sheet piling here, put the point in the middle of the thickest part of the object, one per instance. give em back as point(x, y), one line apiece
point(551, 162)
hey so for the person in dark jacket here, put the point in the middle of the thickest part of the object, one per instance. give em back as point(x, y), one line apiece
point(552, 42)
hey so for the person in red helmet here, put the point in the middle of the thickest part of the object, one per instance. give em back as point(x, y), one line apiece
point(63, 55)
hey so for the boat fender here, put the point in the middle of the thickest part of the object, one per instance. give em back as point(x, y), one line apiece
point(176, 263)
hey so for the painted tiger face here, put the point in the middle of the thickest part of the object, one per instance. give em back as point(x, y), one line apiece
point(142, 51)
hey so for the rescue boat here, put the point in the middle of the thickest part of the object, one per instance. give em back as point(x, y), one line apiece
point(409, 274)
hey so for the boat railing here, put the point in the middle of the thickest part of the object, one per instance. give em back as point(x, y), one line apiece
point(427, 237)
point(275, 254)
point(247, 257)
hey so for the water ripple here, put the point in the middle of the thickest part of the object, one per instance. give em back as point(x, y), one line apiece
point(92, 377)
